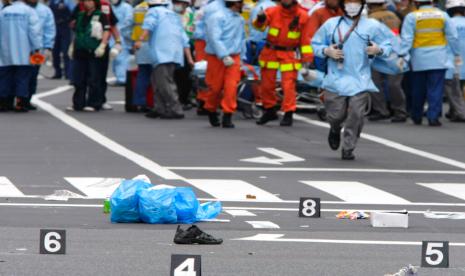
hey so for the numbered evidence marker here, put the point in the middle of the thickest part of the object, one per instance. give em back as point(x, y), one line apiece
point(52, 241)
point(435, 254)
point(309, 207)
point(186, 265)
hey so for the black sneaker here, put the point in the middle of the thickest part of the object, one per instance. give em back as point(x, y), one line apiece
point(287, 119)
point(30, 106)
point(347, 154)
point(434, 123)
point(268, 115)
point(193, 235)
point(334, 138)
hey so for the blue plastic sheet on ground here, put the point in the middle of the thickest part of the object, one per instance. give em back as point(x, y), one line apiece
point(124, 201)
point(208, 210)
point(158, 205)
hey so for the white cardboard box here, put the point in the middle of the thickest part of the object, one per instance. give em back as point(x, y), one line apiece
point(389, 219)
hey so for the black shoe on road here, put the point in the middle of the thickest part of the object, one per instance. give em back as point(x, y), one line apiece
point(398, 119)
point(334, 138)
point(227, 121)
point(348, 154)
point(268, 115)
point(434, 123)
point(193, 235)
point(287, 119)
point(213, 119)
point(152, 115)
point(377, 117)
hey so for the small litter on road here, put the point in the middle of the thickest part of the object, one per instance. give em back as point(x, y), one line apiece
point(62, 195)
point(444, 215)
point(409, 270)
point(390, 219)
point(352, 215)
point(251, 197)
point(137, 200)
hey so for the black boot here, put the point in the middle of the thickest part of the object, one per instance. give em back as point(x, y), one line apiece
point(334, 138)
point(213, 118)
point(21, 105)
point(287, 119)
point(3, 107)
point(227, 122)
point(348, 154)
point(268, 115)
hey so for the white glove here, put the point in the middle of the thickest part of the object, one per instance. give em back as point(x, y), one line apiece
point(373, 50)
point(333, 52)
point(458, 61)
point(228, 61)
point(400, 64)
point(97, 30)
point(71, 50)
point(308, 75)
point(100, 51)
point(115, 50)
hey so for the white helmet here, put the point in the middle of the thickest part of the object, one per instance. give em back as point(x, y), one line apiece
point(455, 4)
point(375, 1)
point(158, 2)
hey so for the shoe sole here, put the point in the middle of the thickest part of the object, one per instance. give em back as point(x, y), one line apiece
point(194, 241)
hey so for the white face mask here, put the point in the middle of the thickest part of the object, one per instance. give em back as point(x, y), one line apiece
point(352, 9)
point(179, 8)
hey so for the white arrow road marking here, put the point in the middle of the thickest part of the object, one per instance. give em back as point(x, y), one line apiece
point(95, 187)
point(226, 190)
point(278, 238)
point(258, 224)
point(283, 157)
point(7, 189)
point(453, 189)
point(356, 192)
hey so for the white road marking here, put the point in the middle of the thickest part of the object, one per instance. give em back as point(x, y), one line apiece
point(8, 189)
point(392, 144)
point(106, 142)
point(95, 187)
point(263, 224)
point(278, 238)
point(283, 157)
point(52, 92)
point(355, 170)
point(225, 190)
point(240, 213)
point(453, 189)
point(117, 102)
point(356, 192)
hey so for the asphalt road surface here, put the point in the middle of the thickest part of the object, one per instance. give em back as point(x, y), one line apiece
point(397, 167)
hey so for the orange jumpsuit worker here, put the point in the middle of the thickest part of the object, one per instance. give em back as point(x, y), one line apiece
point(287, 46)
point(225, 44)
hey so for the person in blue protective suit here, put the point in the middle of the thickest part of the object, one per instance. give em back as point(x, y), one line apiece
point(225, 45)
point(168, 44)
point(124, 13)
point(20, 36)
point(257, 38)
point(62, 10)
point(201, 17)
point(348, 42)
point(454, 77)
point(47, 25)
point(425, 34)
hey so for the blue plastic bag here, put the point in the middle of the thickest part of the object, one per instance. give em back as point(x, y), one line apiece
point(209, 210)
point(186, 205)
point(157, 205)
point(124, 201)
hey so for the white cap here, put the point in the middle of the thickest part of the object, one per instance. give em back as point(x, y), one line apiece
point(158, 2)
point(455, 4)
point(375, 1)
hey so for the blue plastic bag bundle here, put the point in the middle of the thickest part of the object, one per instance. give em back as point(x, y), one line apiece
point(157, 205)
point(208, 210)
point(124, 200)
point(186, 205)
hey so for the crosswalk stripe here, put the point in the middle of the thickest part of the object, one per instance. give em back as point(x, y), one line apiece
point(7, 189)
point(356, 192)
point(223, 189)
point(263, 224)
point(95, 187)
point(453, 189)
point(240, 213)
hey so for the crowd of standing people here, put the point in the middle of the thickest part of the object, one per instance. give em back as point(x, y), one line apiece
point(394, 54)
